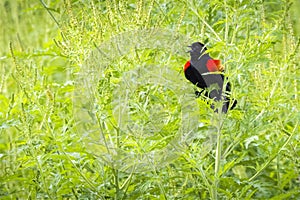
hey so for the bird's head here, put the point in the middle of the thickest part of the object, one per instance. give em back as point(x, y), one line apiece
point(197, 49)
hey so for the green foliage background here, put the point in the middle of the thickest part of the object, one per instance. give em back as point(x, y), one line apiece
point(56, 146)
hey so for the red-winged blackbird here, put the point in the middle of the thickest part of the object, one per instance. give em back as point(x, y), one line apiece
point(202, 71)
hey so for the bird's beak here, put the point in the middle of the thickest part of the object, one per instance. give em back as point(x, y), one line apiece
point(189, 51)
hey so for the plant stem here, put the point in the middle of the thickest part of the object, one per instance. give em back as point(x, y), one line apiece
point(217, 164)
point(50, 13)
point(219, 123)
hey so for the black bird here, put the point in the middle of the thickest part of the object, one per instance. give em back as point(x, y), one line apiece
point(206, 73)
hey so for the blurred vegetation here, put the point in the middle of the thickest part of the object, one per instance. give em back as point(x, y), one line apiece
point(76, 124)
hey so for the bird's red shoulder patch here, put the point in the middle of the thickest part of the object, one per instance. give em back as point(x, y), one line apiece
point(187, 65)
point(212, 65)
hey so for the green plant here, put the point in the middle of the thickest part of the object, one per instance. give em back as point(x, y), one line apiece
point(94, 104)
